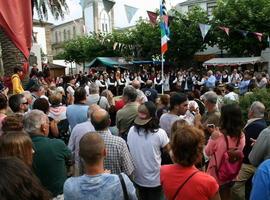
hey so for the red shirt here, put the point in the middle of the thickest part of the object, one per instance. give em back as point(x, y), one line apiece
point(200, 187)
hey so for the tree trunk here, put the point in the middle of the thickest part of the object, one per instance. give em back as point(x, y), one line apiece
point(11, 55)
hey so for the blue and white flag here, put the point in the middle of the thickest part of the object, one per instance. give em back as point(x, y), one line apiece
point(130, 12)
point(204, 29)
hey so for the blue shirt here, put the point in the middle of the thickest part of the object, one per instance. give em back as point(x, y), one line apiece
point(243, 86)
point(210, 82)
point(102, 186)
point(77, 113)
point(261, 182)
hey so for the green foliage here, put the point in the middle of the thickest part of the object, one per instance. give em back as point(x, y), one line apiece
point(262, 95)
point(143, 40)
point(186, 37)
point(251, 15)
point(83, 49)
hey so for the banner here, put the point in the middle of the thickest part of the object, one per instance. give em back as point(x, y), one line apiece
point(225, 29)
point(244, 33)
point(152, 17)
point(108, 5)
point(16, 21)
point(130, 12)
point(259, 36)
point(204, 29)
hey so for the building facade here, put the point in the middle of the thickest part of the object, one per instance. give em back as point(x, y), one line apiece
point(207, 5)
point(65, 32)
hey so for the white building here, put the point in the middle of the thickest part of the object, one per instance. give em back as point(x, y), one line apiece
point(65, 32)
point(106, 15)
point(207, 5)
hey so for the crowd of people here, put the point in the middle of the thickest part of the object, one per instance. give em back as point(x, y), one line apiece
point(115, 136)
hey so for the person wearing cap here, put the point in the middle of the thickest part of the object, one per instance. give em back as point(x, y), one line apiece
point(16, 81)
point(146, 141)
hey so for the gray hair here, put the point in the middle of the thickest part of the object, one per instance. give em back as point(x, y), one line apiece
point(93, 89)
point(33, 121)
point(130, 92)
point(27, 95)
point(210, 97)
point(257, 108)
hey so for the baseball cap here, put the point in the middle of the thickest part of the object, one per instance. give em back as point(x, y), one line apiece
point(143, 116)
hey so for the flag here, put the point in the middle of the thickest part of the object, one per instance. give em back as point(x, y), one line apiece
point(153, 17)
point(225, 29)
point(16, 20)
point(204, 29)
point(244, 33)
point(259, 36)
point(130, 12)
point(108, 5)
point(115, 45)
point(165, 31)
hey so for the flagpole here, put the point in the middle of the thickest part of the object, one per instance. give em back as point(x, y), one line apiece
point(162, 73)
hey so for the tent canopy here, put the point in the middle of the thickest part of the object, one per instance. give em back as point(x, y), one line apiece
point(233, 61)
point(111, 62)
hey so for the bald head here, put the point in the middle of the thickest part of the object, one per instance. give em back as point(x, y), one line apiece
point(100, 120)
point(136, 84)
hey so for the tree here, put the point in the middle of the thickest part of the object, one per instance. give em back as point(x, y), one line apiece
point(252, 16)
point(11, 55)
point(86, 48)
point(185, 38)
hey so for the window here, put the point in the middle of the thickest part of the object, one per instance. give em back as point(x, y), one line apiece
point(65, 35)
point(210, 8)
point(56, 37)
point(104, 22)
point(60, 36)
point(74, 31)
point(68, 35)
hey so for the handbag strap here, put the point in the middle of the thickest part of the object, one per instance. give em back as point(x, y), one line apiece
point(183, 184)
point(124, 188)
point(99, 100)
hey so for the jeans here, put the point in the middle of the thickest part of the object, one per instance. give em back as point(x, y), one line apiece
point(245, 173)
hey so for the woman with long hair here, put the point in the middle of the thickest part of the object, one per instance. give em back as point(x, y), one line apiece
point(228, 136)
point(146, 141)
point(19, 182)
point(17, 144)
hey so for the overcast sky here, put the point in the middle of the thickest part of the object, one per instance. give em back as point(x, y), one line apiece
point(76, 12)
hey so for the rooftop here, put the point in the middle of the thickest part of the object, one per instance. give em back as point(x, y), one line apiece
point(192, 2)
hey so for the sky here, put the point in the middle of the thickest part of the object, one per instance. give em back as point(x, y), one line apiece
point(76, 12)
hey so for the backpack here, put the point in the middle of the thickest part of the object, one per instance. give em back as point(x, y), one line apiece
point(231, 162)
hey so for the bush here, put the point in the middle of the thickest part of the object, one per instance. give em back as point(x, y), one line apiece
point(262, 95)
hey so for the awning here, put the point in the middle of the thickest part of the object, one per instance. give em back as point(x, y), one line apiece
point(112, 62)
point(233, 61)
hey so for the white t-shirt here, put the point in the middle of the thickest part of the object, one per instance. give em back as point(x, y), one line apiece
point(232, 96)
point(145, 150)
